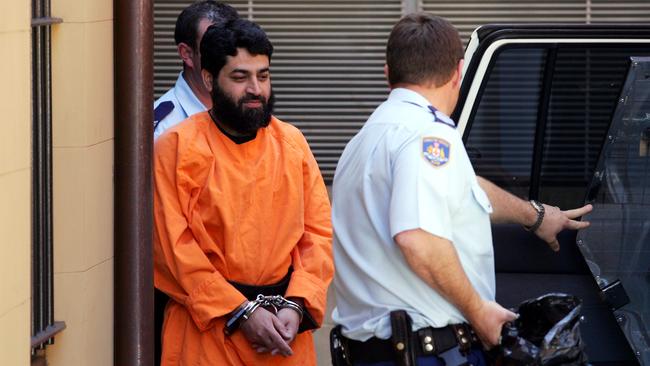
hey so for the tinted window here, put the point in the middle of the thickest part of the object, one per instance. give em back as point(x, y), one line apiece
point(503, 129)
point(617, 244)
point(586, 84)
point(568, 93)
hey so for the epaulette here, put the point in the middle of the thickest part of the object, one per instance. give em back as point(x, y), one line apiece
point(437, 119)
point(162, 110)
point(433, 111)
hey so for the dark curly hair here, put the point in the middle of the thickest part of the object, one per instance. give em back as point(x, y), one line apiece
point(222, 40)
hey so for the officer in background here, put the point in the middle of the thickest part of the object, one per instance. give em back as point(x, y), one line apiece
point(189, 96)
point(415, 280)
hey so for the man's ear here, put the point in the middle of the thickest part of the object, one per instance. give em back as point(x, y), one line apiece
point(386, 74)
point(207, 79)
point(185, 52)
point(458, 74)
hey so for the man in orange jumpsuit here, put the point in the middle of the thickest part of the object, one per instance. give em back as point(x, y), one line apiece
point(240, 209)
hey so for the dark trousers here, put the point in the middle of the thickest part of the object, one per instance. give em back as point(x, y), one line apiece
point(160, 301)
point(452, 357)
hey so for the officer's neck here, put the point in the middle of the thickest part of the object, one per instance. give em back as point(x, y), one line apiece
point(195, 83)
point(442, 97)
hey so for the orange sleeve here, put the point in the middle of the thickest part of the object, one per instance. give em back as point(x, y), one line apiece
point(182, 269)
point(312, 257)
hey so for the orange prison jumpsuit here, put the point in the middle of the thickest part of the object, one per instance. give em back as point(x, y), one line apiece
point(244, 213)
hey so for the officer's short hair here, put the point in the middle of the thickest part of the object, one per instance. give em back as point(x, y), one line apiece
point(187, 24)
point(423, 48)
point(222, 40)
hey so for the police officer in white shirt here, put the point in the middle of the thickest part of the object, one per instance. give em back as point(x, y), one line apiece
point(189, 96)
point(412, 238)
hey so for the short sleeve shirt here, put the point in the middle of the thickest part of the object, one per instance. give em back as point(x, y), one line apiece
point(406, 169)
point(186, 103)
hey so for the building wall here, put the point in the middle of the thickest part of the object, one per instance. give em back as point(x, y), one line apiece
point(15, 155)
point(82, 102)
point(82, 76)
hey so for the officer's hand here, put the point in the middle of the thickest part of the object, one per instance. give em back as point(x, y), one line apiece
point(261, 330)
point(556, 220)
point(488, 321)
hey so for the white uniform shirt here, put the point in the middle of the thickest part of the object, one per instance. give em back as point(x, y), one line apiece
point(404, 170)
point(185, 105)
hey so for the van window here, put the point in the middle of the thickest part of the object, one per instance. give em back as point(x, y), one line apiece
point(542, 116)
point(503, 129)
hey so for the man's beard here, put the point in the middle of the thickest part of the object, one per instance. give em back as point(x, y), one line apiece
point(234, 116)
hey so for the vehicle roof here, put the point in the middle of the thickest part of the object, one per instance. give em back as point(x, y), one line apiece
point(534, 30)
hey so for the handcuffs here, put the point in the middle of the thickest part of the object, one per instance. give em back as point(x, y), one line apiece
point(244, 311)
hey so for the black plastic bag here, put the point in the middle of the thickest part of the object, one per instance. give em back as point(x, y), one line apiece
point(546, 333)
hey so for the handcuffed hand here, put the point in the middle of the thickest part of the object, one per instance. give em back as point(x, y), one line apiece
point(265, 332)
point(290, 319)
point(556, 220)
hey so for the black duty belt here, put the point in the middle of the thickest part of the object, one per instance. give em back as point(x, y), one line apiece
point(425, 342)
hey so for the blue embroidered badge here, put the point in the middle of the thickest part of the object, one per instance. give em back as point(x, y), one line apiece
point(435, 150)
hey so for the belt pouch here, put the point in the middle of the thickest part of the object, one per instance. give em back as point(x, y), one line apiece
point(339, 348)
point(400, 323)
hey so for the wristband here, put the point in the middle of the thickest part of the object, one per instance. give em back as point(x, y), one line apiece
point(539, 208)
point(233, 322)
point(240, 315)
point(249, 310)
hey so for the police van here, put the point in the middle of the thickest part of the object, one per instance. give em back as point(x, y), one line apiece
point(561, 114)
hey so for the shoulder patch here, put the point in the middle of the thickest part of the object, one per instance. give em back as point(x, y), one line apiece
point(436, 150)
point(162, 110)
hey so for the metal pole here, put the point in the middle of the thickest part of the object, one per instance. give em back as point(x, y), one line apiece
point(133, 296)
